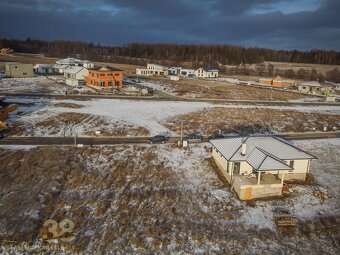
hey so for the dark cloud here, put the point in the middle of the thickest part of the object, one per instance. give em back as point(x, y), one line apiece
point(288, 24)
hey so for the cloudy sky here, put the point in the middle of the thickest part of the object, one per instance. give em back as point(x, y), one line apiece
point(280, 24)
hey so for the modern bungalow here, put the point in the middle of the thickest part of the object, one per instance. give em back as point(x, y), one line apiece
point(206, 73)
point(315, 87)
point(257, 166)
point(49, 69)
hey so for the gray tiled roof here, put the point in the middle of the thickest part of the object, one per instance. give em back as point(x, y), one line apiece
point(262, 153)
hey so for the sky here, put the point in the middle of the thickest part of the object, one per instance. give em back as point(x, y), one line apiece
point(278, 24)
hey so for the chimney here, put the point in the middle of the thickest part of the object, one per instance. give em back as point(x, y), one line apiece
point(243, 149)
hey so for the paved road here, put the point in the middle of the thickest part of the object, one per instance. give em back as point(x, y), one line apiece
point(162, 97)
point(132, 140)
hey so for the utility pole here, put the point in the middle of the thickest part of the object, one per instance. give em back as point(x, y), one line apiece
point(271, 93)
point(181, 132)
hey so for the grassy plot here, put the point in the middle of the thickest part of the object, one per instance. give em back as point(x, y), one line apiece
point(251, 120)
point(200, 88)
point(70, 124)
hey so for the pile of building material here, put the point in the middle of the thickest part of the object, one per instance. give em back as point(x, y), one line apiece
point(322, 193)
point(283, 218)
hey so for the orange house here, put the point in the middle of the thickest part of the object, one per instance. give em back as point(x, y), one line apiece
point(6, 51)
point(104, 78)
point(278, 82)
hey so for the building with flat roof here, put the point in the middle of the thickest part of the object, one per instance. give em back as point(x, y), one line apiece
point(19, 70)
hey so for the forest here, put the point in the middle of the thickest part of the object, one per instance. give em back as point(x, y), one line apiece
point(172, 54)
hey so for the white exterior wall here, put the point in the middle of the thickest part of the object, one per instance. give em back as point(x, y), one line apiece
point(152, 69)
point(174, 78)
point(88, 65)
point(72, 82)
point(200, 72)
point(187, 72)
point(144, 71)
point(222, 163)
point(83, 72)
point(76, 76)
point(245, 168)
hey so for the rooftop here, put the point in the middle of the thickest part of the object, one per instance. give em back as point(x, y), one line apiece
point(74, 69)
point(105, 69)
point(316, 84)
point(262, 152)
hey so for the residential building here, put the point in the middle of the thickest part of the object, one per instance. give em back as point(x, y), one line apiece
point(104, 78)
point(153, 69)
point(277, 82)
point(75, 74)
point(315, 87)
point(6, 51)
point(49, 69)
point(206, 73)
point(257, 166)
point(75, 62)
point(174, 70)
point(187, 72)
point(19, 70)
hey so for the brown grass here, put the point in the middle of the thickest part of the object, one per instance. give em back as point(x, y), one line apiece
point(223, 90)
point(251, 121)
point(68, 105)
point(122, 200)
point(66, 124)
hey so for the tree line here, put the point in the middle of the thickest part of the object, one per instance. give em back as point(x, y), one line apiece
point(220, 56)
point(171, 54)
point(269, 70)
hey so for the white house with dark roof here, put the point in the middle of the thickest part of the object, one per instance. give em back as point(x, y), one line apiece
point(257, 166)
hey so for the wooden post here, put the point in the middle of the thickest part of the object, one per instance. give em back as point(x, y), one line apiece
point(258, 178)
point(182, 132)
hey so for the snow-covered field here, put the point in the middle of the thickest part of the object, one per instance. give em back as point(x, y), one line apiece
point(150, 115)
point(165, 200)
point(38, 84)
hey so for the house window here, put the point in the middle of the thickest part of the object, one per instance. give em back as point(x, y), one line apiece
point(117, 74)
point(291, 164)
point(237, 167)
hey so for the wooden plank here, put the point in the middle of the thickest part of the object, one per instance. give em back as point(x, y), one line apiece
point(283, 223)
point(283, 215)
